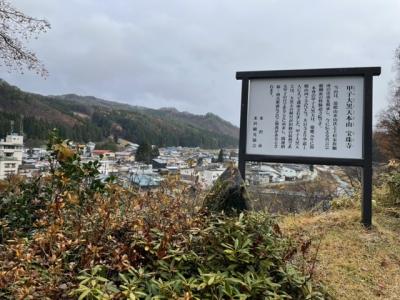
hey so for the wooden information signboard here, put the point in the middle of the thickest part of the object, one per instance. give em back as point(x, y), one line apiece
point(315, 116)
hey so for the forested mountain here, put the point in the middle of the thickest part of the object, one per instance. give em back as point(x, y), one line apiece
point(91, 119)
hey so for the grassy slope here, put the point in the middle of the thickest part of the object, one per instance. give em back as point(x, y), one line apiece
point(354, 263)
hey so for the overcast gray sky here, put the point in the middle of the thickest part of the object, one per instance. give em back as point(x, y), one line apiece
point(184, 54)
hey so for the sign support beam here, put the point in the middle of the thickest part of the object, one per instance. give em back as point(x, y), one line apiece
point(243, 128)
point(366, 205)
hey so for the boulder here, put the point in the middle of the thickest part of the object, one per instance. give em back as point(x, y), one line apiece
point(228, 194)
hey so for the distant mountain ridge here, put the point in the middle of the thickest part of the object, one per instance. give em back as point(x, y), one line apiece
point(87, 118)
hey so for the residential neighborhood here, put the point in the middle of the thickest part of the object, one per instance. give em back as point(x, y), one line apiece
point(191, 165)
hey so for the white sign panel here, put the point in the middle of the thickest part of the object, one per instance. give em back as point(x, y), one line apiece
point(308, 117)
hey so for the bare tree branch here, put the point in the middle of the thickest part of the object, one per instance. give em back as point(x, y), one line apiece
point(16, 27)
point(389, 119)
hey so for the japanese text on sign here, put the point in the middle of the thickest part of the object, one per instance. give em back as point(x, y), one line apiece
point(315, 117)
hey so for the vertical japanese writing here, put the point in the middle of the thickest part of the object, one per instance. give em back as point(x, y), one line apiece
point(255, 128)
point(277, 107)
point(257, 133)
point(328, 116)
point(335, 116)
point(298, 109)
point(261, 131)
point(291, 110)
point(305, 115)
point(350, 90)
point(312, 117)
point(313, 97)
point(320, 103)
point(283, 123)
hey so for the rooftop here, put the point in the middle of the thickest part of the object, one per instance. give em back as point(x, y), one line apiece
point(101, 151)
point(146, 180)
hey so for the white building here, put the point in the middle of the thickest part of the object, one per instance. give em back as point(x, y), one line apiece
point(264, 174)
point(11, 151)
point(107, 167)
point(124, 156)
point(289, 173)
point(89, 148)
point(208, 177)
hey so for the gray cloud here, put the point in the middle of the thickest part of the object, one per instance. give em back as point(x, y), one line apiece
point(185, 53)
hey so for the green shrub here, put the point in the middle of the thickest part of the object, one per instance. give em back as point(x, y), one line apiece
point(230, 258)
point(23, 201)
point(67, 234)
point(394, 188)
point(387, 191)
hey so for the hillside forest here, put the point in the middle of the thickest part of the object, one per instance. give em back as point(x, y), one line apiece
point(85, 119)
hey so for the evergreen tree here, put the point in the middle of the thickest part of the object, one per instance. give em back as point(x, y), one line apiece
point(155, 152)
point(220, 158)
point(145, 153)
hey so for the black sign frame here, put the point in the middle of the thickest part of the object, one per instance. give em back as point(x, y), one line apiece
point(365, 162)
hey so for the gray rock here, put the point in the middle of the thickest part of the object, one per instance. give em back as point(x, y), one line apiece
point(228, 194)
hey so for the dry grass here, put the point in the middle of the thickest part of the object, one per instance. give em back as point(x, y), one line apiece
point(353, 263)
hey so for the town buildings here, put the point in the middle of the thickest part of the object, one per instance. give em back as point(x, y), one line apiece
point(11, 151)
point(265, 174)
point(193, 166)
